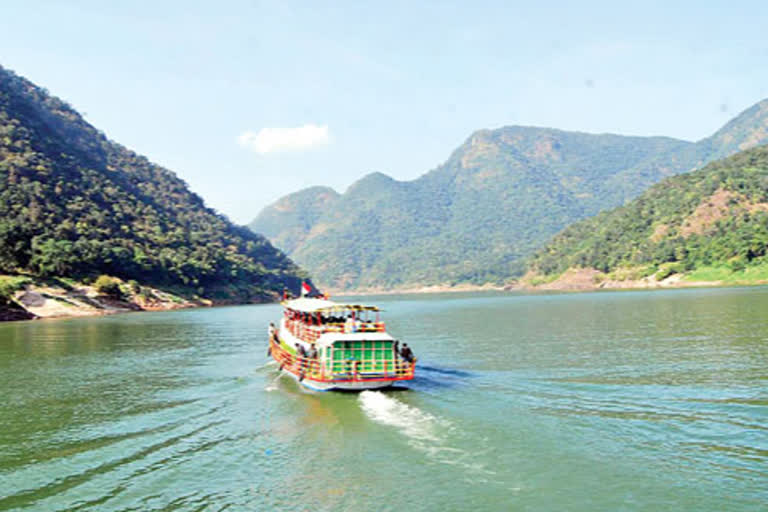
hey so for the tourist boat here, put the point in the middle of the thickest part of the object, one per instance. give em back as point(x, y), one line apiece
point(327, 345)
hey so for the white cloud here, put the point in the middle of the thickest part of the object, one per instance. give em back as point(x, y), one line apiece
point(271, 140)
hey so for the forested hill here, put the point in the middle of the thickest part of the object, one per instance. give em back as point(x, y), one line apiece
point(477, 218)
point(75, 204)
point(708, 224)
point(288, 221)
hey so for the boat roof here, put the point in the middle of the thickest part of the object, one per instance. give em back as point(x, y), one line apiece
point(330, 338)
point(311, 305)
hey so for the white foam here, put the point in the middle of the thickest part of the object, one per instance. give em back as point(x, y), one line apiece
point(272, 386)
point(427, 433)
point(412, 422)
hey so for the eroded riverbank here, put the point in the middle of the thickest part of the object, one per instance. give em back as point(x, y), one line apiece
point(58, 298)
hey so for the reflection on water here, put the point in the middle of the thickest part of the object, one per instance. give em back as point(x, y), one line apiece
point(604, 401)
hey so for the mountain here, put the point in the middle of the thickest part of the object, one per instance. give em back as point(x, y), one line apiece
point(75, 204)
point(498, 198)
point(710, 222)
point(288, 222)
point(747, 130)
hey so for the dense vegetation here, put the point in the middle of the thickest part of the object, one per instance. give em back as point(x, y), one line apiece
point(287, 225)
point(73, 203)
point(714, 217)
point(478, 217)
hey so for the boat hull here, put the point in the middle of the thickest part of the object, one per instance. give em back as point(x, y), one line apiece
point(316, 385)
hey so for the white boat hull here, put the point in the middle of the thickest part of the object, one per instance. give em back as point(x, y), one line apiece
point(338, 386)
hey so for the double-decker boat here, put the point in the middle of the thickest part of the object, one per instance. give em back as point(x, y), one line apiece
point(327, 345)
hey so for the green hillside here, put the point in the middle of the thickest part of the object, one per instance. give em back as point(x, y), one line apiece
point(478, 217)
point(289, 220)
point(75, 204)
point(711, 225)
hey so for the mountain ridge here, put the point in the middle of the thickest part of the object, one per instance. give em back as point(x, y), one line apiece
point(498, 197)
point(75, 204)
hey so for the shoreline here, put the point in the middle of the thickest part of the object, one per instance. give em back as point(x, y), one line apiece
point(586, 280)
point(58, 299)
point(432, 289)
point(567, 285)
point(104, 306)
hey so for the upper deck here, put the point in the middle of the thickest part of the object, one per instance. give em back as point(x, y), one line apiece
point(309, 318)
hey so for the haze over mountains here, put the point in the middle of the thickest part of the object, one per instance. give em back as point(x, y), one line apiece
point(75, 204)
point(476, 218)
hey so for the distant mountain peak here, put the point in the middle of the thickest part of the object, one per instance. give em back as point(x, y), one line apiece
point(495, 201)
point(289, 220)
point(479, 147)
point(370, 180)
point(745, 131)
point(305, 193)
point(375, 176)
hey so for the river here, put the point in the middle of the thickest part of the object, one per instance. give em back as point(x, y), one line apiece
point(643, 400)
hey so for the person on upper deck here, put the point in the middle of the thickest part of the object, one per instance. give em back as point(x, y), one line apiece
point(350, 325)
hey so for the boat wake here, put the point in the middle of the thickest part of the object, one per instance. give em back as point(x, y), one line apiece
point(435, 437)
point(412, 422)
point(435, 378)
point(444, 371)
point(269, 364)
point(272, 386)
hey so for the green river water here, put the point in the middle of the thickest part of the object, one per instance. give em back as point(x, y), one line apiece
point(599, 401)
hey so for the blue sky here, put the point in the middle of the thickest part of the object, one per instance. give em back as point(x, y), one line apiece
point(248, 101)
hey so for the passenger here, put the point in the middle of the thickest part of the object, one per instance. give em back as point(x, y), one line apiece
point(349, 325)
point(300, 360)
point(301, 355)
point(311, 358)
point(397, 348)
point(273, 336)
point(407, 354)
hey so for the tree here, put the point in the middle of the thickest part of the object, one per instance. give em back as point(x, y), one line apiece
point(108, 286)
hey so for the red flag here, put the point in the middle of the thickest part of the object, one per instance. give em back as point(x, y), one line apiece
point(305, 288)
